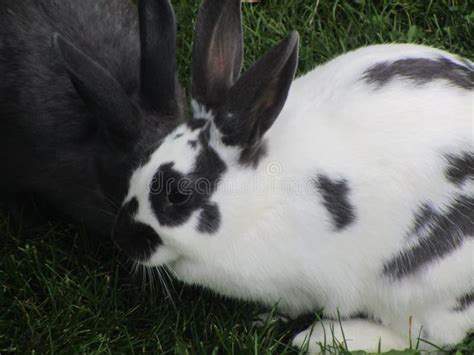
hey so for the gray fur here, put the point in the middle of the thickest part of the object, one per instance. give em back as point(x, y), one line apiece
point(460, 168)
point(438, 234)
point(51, 146)
point(421, 71)
point(464, 302)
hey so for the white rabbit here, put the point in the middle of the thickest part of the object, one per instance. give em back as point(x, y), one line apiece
point(358, 199)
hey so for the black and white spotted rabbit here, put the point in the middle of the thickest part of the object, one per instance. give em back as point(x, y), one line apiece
point(78, 111)
point(358, 199)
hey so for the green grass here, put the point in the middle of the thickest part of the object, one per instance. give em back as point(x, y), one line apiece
point(61, 291)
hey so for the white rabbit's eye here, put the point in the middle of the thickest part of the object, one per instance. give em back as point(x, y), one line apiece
point(177, 197)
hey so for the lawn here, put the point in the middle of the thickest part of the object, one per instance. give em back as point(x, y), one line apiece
point(62, 291)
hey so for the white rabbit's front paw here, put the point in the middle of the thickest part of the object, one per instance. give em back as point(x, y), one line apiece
point(354, 334)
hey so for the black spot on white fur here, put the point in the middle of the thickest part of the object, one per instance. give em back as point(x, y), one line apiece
point(421, 71)
point(464, 302)
point(193, 190)
point(179, 135)
point(193, 143)
point(209, 219)
point(335, 194)
point(169, 181)
point(460, 167)
point(425, 218)
point(439, 233)
point(136, 239)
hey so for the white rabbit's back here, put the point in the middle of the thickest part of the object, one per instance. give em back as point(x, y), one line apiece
point(400, 137)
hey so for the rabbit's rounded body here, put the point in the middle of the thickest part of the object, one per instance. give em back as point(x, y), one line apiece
point(48, 143)
point(355, 176)
point(351, 192)
point(51, 145)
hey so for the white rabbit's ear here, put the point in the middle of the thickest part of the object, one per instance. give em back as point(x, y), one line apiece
point(217, 50)
point(158, 82)
point(257, 98)
point(101, 93)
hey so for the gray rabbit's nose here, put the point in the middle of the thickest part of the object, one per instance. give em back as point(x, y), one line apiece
point(137, 240)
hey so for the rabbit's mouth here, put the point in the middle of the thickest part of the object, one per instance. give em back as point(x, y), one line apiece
point(162, 256)
point(137, 240)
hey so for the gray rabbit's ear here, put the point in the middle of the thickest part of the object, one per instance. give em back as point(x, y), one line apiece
point(159, 86)
point(101, 93)
point(256, 99)
point(217, 50)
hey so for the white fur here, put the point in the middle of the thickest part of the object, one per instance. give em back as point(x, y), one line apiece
point(276, 242)
point(352, 335)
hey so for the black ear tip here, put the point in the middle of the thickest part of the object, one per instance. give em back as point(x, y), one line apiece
point(288, 46)
point(293, 38)
point(162, 8)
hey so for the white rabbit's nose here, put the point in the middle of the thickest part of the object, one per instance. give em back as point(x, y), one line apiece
point(137, 240)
